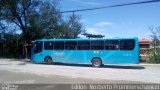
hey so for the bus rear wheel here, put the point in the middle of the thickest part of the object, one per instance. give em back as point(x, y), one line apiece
point(48, 60)
point(96, 62)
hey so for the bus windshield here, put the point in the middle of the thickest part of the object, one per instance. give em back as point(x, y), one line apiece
point(38, 47)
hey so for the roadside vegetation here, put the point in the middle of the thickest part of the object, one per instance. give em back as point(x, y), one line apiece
point(22, 21)
point(155, 52)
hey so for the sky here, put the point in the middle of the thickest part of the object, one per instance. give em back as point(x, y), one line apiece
point(123, 22)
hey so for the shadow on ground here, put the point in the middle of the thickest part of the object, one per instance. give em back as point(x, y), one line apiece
point(103, 66)
point(123, 67)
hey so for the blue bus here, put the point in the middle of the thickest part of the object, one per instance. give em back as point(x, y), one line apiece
point(86, 51)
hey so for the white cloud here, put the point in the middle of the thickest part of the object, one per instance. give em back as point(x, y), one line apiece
point(100, 28)
point(92, 31)
point(103, 24)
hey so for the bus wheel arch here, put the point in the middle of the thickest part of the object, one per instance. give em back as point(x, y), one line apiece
point(96, 62)
point(48, 60)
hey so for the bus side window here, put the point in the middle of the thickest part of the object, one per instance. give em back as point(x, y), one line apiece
point(70, 45)
point(97, 45)
point(38, 47)
point(59, 45)
point(83, 45)
point(48, 45)
point(127, 44)
point(112, 45)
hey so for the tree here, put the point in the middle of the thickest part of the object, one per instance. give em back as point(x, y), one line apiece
point(15, 11)
point(155, 35)
point(46, 20)
point(38, 19)
point(2, 30)
point(75, 26)
point(34, 18)
point(30, 14)
point(70, 28)
point(155, 58)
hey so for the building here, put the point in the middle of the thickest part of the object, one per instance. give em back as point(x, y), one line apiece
point(144, 43)
point(145, 49)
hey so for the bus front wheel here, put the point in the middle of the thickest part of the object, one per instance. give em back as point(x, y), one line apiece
point(48, 60)
point(96, 62)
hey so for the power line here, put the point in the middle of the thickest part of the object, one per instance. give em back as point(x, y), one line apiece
point(118, 5)
point(89, 9)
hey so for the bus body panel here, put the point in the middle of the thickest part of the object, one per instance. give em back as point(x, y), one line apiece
point(85, 56)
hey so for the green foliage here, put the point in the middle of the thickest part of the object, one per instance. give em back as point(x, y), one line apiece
point(155, 57)
point(70, 28)
point(40, 19)
point(75, 26)
point(36, 19)
point(31, 16)
point(10, 46)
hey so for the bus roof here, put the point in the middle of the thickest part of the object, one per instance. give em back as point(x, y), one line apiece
point(79, 39)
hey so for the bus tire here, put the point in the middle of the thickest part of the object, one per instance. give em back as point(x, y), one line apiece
point(96, 62)
point(48, 60)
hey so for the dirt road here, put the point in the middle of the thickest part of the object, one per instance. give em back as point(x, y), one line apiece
point(20, 72)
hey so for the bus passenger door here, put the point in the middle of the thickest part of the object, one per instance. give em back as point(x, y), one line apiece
point(70, 52)
point(58, 53)
point(38, 48)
